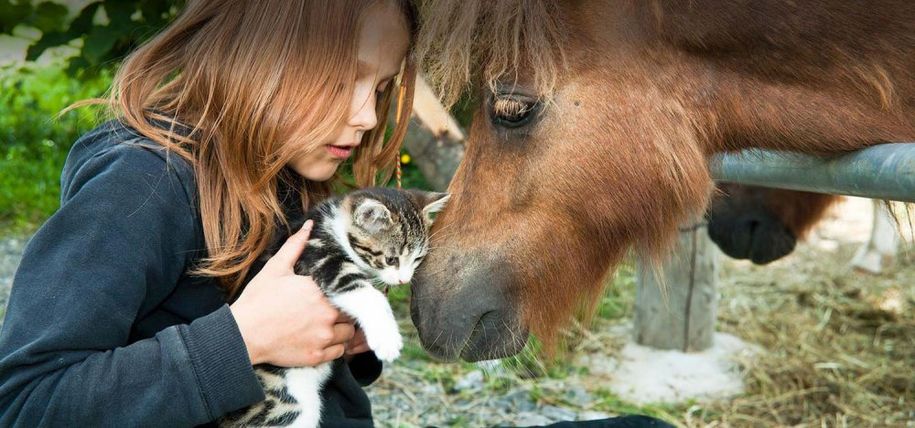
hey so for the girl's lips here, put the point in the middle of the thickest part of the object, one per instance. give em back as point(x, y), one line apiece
point(340, 152)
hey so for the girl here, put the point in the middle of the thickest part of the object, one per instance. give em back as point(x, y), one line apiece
point(236, 115)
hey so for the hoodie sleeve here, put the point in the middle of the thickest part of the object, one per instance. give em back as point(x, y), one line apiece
point(125, 231)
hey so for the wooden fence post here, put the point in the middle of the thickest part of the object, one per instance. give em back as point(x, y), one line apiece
point(681, 315)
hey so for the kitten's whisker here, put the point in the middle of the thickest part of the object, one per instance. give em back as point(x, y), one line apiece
point(441, 229)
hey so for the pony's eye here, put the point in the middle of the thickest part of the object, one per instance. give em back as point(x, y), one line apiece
point(513, 111)
point(390, 261)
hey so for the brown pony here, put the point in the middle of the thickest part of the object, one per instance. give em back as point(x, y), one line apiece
point(594, 126)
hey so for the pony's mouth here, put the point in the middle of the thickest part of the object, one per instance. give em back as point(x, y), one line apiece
point(487, 342)
point(462, 307)
point(493, 335)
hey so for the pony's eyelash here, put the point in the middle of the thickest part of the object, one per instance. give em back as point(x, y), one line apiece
point(509, 107)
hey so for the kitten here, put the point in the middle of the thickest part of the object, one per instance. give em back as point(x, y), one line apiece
point(375, 235)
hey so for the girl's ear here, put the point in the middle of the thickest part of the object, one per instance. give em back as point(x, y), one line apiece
point(372, 216)
point(432, 202)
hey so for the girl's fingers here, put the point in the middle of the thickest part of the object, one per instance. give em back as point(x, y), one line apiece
point(357, 349)
point(333, 352)
point(343, 332)
point(358, 344)
point(286, 257)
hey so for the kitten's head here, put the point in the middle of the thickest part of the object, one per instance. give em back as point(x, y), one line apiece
point(389, 229)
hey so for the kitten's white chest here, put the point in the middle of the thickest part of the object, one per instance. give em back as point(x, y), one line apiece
point(304, 384)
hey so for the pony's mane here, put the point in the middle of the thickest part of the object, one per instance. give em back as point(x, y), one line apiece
point(463, 43)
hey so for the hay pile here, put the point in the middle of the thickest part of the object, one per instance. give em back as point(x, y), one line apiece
point(840, 345)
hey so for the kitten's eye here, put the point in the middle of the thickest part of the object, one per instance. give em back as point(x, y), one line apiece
point(391, 261)
point(513, 111)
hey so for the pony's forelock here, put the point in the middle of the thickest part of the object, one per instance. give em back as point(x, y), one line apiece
point(482, 42)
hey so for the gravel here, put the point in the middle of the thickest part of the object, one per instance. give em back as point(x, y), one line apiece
point(424, 393)
point(10, 254)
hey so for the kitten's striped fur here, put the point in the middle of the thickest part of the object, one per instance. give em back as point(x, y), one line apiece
point(371, 236)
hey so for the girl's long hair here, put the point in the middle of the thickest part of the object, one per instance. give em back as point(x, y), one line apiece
point(227, 86)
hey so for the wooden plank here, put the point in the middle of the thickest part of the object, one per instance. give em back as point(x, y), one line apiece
point(434, 138)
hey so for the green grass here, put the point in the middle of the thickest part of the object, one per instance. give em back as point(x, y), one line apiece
point(610, 403)
point(34, 142)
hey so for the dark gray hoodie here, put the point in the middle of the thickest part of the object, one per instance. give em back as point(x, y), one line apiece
point(105, 327)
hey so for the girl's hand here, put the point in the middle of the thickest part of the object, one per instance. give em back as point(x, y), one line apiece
point(284, 318)
point(357, 344)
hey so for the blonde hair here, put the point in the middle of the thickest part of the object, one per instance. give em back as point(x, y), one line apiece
point(228, 83)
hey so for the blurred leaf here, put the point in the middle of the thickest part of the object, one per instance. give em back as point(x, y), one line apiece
point(83, 22)
point(97, 44)
point(129, 23)
point(13, 13)
point(47, 40)
point(49, 17)
point(80, 26)
point(155, 12)
point(77, 66)
point(119, 13)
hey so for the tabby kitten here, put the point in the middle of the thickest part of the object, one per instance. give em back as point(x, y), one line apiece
point(371, 236)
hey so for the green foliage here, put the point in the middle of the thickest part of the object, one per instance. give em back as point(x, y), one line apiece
point(619, 298)
point(34, 142)
point(413, 178)
point(610, 403)
point(105, 30)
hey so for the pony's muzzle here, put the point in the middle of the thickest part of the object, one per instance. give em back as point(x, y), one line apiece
point(465, 311)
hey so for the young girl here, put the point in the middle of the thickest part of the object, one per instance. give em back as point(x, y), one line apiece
point(236, 115)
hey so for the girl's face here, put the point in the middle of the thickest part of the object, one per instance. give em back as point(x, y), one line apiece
point(383, 43)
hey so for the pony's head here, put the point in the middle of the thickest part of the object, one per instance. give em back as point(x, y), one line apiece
point(575, 154)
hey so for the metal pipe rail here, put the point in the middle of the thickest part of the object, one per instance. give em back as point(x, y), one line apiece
point(684, 318)
point(885, 171)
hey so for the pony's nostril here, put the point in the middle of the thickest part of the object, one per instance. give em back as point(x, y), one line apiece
point(495, 334)
point(752, 226)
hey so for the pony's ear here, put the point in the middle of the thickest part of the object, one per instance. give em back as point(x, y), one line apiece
point(432, 202)
point(372, 216)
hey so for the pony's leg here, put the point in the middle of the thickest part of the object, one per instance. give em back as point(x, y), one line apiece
point(372, 311)
point(880, 250)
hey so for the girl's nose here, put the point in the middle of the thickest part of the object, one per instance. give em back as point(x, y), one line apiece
point(364, 116)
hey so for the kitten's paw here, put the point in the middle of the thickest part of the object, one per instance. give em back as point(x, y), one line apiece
point(386, 345)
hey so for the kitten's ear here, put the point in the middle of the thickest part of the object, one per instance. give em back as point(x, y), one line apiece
point(432, 202)
point(372, 216)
